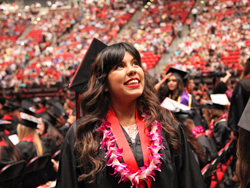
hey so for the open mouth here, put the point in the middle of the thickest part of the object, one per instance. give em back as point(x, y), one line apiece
point(133, 81)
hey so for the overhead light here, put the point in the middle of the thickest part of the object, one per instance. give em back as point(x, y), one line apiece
point(19, 14)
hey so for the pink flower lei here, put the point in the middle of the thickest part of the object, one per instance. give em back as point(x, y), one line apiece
point(114, 154)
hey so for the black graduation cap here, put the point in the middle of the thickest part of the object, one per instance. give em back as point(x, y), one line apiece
point(62, 109)
point(218, 101)
point(245, 118)
point(81, 76)
point(29, 120)
point(28, 107)
point(4, 124)
point(54, 114)
point(177, 72)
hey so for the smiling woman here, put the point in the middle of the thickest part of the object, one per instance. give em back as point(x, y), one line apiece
point(124, 138)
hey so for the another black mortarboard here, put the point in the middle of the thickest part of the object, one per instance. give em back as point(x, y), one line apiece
point(55, 113)
point(28, 107)
point(29, 120)
point(218, 101)
point(62, 109)
point(4, 124)
point(182, 74)
point(245, 117)
point(82, 74)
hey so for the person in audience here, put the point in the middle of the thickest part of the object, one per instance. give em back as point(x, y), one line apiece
point(173, 87)
point(195, 146)
point(218, 128)
point(9, 152)
point(207, 143)
point(30, 144)
point(51, 138)
point(118, 94)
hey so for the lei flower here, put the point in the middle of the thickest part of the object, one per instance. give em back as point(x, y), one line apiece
point(197, 130)
point(113, 154)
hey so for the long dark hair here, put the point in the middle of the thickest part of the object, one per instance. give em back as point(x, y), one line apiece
point(95, 103)
point(246, 69)
point(53, 134)
point(11, 149)
point(194, 143)
point(243, 162)
point(165, 92)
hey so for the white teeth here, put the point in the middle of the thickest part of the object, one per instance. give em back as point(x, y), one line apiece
point(133, 82)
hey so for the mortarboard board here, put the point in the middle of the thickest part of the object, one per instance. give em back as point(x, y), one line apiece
point(4, 124)
point(174, 106)
point(29, 120)
point(81, 76)
point(180, 111)
point(182, 74)
point(218, 101)
point(245, 118)
point(62, 109)
point(28, 107)
point(54, 114)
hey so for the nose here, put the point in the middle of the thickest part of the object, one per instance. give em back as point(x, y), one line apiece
point(131, 70)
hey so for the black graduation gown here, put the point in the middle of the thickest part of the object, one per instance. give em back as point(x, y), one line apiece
point(5, 158)
point(49, 146)
point(27, 149)
point(209, 147)
point(238, 101)
point(221, 134)
point(176, 171)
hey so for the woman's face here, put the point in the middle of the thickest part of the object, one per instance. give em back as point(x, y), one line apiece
point(40, 127)
point(172, 83)
point(125, 80)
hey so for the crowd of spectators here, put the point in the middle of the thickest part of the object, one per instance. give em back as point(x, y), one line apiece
point(218, 40)
point(158, 25)
point(56, 57)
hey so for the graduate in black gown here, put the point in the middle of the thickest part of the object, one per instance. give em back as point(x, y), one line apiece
point(206, 142)
point(30, 144)
point(9, 152)
point(119, 102)
point(218, 128)
point(173, 86)
point(51, 138)
point(7, 115)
